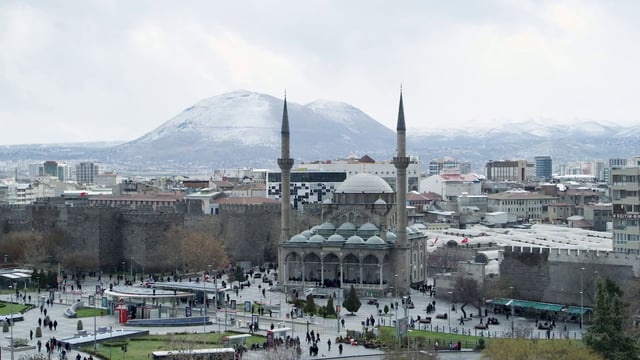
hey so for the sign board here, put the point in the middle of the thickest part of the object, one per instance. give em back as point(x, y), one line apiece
point(187, 311)
point(92, 300)
point(247, 306)
point(232, 304)
point(254, 321)
point(402, 326)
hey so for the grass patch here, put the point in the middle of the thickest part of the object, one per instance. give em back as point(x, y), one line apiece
point(142, 347)
point(11, 308)
point(90, 312)
point(426, 338)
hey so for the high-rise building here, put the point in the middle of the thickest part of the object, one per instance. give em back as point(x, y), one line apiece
point(625, 195)
point(543, 168)
point(87, 170)
point(51, 168)
point(437, 165)
point(508, 170)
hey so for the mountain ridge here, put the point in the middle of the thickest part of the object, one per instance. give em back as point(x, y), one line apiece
point(242, 129)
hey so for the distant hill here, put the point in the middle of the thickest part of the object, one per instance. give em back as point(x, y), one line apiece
point(242, 129)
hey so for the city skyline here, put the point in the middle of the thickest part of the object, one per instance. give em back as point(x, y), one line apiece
point(94, 71)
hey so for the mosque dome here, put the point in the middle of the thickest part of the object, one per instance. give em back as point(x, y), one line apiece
point(368, 227)
point(306, 234)
point(335, 238)
point(364, 183)
point(326, 226)
point(375, 240)
point(298, 239)
point(391, 237)
point(355, 239)
point(380, 202)
point(316, 239)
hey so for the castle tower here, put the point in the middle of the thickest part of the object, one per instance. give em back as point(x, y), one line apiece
point(401, 161)
point(285, 163)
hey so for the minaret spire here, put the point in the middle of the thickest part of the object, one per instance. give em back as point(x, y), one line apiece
point(401, 162)
point(285, 163)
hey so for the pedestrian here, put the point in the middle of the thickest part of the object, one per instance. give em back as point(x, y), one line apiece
point(329, 344)
point(55, 324)
point(340, 348)
point(30, 334)
point(50, 326)
point(39, 322)
point(45, 312)
point(78, 357)
point(39, 345)
point(342, 322)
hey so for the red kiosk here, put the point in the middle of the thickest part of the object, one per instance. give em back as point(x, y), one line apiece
point(121, 310)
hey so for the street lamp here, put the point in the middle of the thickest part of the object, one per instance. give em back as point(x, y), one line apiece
point(204, 304)
point(581, 297)
point(449, 308)
point(123, 264)
point(510, 303)
point(395, 287)
point(131, 268)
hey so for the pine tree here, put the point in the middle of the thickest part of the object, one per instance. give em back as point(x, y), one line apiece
point(352, 303)
point(331, 310)
point(310, 307)
point(606, 334)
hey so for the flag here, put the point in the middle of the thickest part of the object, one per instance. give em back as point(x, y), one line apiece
point(465, 240)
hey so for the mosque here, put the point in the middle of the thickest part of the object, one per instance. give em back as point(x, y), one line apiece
point(364, 240)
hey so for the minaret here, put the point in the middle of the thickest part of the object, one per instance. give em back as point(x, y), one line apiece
point(401, 161)
point(285, 163)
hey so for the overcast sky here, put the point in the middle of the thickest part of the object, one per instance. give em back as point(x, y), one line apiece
point(113, 70)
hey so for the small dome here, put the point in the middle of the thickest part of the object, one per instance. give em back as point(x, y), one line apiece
point(375, 240)
point(391, 237)
point(326, 226)
point(327, 201)
point(316, 239)
point(335, 238)
point(355, 239)
point(298, 239)
point(364, 183)
point(380, 202)
point(306, 234)
point(368, 227)
point(347, 226)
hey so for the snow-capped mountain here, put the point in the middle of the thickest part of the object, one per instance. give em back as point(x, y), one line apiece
point(243, 127)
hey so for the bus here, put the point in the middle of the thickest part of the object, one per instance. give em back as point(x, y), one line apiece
point(195, 354)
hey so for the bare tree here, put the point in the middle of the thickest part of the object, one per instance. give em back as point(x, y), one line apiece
point(467, 292)
point(194, 249)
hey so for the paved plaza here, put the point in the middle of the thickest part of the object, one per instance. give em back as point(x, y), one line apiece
point(327, 328)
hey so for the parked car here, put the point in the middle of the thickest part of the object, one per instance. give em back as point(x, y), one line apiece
point(372, 302)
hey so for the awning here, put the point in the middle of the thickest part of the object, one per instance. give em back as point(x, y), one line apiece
point(577, 310)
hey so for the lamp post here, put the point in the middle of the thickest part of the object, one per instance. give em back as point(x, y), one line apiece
point(131, 268)
point(123, 264)
point(449, 308)
point(204, 304)
point(510, 303)
point(581, 297)
point(395, 287)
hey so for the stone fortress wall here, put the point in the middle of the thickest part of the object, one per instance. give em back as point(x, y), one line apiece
point(558, 275)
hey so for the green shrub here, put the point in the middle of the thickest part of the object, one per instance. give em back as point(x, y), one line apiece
point(5, 327)
point(38, 332)
point(480, 345)
point(80, 326)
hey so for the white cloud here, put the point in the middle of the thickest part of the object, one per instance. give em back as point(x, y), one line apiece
point(79, 71)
